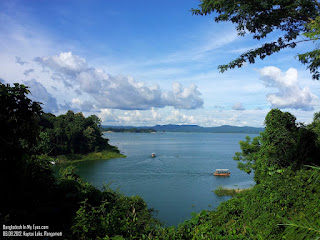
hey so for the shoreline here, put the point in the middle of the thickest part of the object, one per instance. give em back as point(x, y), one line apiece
point(220, 191)
point(74, 158)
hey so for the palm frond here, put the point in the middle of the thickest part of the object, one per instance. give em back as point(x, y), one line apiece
point(302, 229)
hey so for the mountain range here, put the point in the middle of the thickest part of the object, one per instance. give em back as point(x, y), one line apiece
point(193, 128)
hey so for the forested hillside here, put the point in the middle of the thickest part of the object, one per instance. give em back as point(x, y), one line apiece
point(70, 133)
point(184, 128)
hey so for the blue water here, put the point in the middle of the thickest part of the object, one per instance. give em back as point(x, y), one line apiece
point(179, 180)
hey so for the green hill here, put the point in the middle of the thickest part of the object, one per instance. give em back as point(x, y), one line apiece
point(188, 128)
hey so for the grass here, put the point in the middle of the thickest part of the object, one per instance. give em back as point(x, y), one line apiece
point(90, 156)
point(220, 191)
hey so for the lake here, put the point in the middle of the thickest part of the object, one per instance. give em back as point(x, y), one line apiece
point(179, 180)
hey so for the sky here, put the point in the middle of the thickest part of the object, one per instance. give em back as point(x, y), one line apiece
point(146, 63)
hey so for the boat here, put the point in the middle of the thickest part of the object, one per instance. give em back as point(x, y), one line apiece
point(222, 172)
point(153, 155)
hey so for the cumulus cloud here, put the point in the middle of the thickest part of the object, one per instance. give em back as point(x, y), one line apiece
point(65, 63)
point(156, 116)
point(118, 117)
point(27, 72)
point(176, 117)
point(238, 106)
point(108, 116)
point(20, 61)
point(79, 105)
point(40, 94)
point(289, 94)
point(117, 92)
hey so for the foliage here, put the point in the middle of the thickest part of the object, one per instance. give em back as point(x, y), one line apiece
point(315, 127)
point(311, 59)
point(104, 213)
point(293, 18)
point(250, 152)
point(129, 130)
point(18, 121)
point(303, 229)
point(284, 143)
point(258, 213)
point(284, 202)
point(31, 193)
point(73, 158)
point(22, 175)
point(71, 133)
point(221, 191)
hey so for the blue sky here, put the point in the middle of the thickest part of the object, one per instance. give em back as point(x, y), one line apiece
point(146, 63)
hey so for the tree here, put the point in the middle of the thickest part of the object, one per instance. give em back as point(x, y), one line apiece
point(293, 17)
point(250, 152)
point(284, 143)
point(18, 122)
point(311, 59)
point(22, 175)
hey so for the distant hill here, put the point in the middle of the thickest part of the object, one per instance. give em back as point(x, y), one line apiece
point(193, 128)
point(196, 128)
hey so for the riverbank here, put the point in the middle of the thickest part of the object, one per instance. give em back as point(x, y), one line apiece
point(220, 191)
point(73, 158)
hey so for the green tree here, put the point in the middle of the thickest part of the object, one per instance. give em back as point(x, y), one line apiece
point(293, 18)
point(22, 175)
point(315, 127)
point(18, 122)
point(287, 143)
point(249, 155)
point(311, 59)
point(284, 143)
point(71, 133)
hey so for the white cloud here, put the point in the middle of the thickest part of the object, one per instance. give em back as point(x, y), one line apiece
point(238, 106)
point(131, 117)
point(108, 116)
point(27, 72)
point(176, 117)
point(117, 92)
point(40, 94)
point(290, 94)
point(169, 115)
point(76, 101)
point(156, 116)
point(20, 61)
point(65, 63)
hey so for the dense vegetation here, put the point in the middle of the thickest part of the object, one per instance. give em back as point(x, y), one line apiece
point(129, 130)
point(284, 203)
point(71, 134)
point(30, 192)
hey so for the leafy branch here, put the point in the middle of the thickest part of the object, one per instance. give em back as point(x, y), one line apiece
point(294, 18)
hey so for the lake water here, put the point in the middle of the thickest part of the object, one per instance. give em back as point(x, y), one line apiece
point(179, 180)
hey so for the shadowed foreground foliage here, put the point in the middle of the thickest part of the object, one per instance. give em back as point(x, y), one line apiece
point(31, 193)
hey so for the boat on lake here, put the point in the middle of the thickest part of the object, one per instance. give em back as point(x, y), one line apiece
point(153, 155)
point(222, 172)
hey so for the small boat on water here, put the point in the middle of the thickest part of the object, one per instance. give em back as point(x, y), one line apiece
point(153, 155)
point(222, 172)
